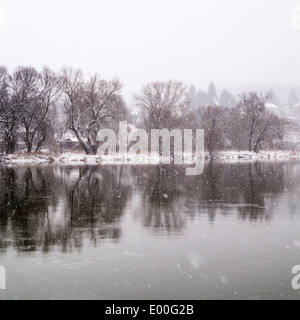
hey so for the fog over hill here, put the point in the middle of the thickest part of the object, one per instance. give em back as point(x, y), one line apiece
point(282, 91)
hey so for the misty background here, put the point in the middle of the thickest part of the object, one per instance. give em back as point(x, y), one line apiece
point(239, 45)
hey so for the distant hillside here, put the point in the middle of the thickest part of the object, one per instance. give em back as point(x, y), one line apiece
point(281, 91)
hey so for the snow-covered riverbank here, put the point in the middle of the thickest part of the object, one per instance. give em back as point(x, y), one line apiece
point(81, 159)
point(261, 156)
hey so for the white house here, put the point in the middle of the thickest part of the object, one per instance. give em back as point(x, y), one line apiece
point(273, 108)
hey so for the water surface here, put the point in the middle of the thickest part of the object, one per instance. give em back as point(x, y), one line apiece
point(117, 232)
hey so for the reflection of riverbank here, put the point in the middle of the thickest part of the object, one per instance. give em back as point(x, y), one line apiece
point(81, 159)
point(261, 156)
point(43, 207)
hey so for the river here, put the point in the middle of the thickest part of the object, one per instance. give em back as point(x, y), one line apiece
point(121, 232)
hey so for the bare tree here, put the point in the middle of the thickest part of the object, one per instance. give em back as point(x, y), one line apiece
point(163, 104)
point(270, 131)
point(8, 112)
point(50, 94)
point(211, 119)
point(25, 98)
point(261, 125)
point(253, 109)
point(4, 95)
point(103, 104)
point(88, 104)
point(234, 130)
point(33, 94)
point(71, 84)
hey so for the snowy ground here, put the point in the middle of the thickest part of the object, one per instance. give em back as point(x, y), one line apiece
point(263, 155)
point(80, 159)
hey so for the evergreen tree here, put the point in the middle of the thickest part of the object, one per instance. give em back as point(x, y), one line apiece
point(203, 99)
point(227, 99)
point(212, 95)
point(192, 98)
point(293, 98)
point(274, 98)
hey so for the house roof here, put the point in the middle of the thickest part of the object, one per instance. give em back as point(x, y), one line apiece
point(70, 137)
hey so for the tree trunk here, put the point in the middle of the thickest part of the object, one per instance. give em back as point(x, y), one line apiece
point(250, 144)
point(92, 146)
point(256, 148)
point(259, 139)
point(28, 142)
point(88, 150)
point(211, 140)
point(252, 130)
point(39, 145)
point(211, 149)
point(29, 147)
point(10, 146)
point(9, 139)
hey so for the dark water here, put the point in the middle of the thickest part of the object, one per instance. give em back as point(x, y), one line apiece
point(150, 232)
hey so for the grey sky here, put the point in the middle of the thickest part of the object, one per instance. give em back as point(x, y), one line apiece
point(230, 42)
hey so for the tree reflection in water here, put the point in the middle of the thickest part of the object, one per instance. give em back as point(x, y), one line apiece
point(164, 199)
point(248, 188)
point(43, 208)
